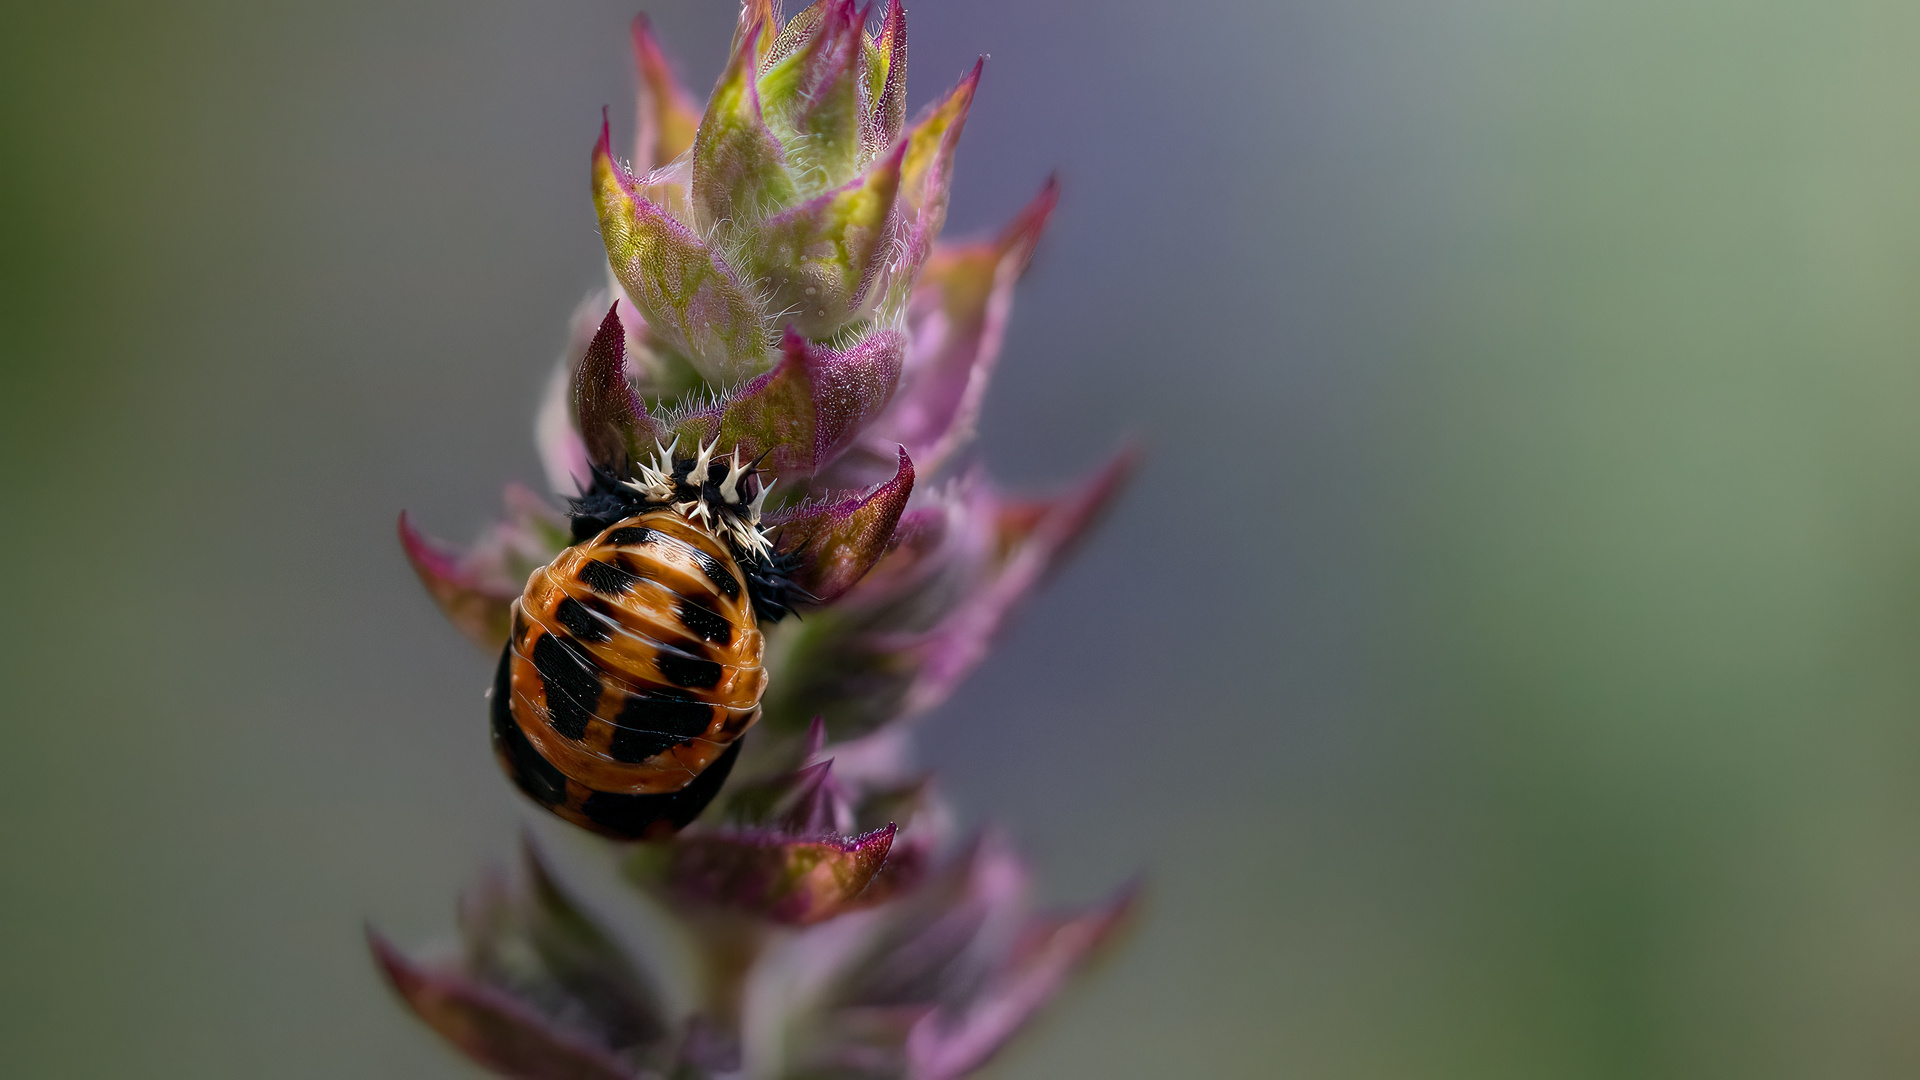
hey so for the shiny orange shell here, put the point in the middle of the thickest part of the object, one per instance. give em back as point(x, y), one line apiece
point(633, 665)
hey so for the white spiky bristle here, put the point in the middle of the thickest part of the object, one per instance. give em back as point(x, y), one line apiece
point(730, 487)
point(656, 482)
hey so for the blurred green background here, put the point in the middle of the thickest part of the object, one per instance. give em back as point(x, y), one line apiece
point(1505, 666)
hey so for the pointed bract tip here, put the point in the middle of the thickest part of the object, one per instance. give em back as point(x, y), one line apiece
point(893, 36)
point(1114, 474)
point(758, 13)
point(836, 543)
point(654, 67)
point(648, 58)
point(477, 608)
point(876, 842)
point(1027, 225)
point(610, 417)
point(753, 40)
point(935, 133)
point(962, 96)
point(400, 973)
point(666, 116)
point(955, 100)
point(1067, 518)
point(794, 882)
point(421, 549)
point(603, 156)
point(492, 1027)
point(758, 24)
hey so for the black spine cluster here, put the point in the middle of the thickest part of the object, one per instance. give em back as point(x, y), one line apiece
point(609, 500)
point(606, 502)
point(770, 585)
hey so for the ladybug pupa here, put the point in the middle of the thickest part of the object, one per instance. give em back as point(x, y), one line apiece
point(633, 661)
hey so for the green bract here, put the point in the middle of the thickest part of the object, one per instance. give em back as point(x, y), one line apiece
point(799, 205)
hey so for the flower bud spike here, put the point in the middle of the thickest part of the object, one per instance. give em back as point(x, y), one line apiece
point(780, 304)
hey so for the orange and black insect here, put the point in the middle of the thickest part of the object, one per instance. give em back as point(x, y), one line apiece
point(633, 664)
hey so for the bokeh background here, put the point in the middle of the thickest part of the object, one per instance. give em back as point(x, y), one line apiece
point(1507, 665)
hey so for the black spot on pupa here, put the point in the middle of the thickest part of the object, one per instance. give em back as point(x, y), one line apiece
point(652, 722)
point(635, 816)
point(706, 623)
point(634, 747)
point(631, 535)
point(687, 671)
point(717, 573)
point(607, 578)
point(571, 681)
point(531, 773)
point(582, 623)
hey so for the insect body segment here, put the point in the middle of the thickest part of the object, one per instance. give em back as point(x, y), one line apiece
point(633, 667)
